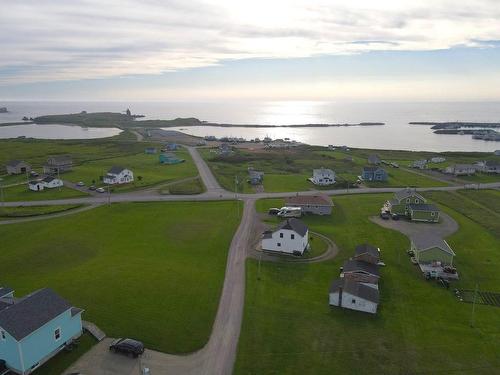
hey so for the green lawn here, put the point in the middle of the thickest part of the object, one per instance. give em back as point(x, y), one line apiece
point(288, 170)
point(146, 166)
point(420, 328)
point(27, 211)
point(23, 193)
point(152, 271)
point(65, 359)
point(190, 187)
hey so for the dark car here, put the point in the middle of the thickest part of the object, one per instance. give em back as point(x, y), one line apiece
point(127, 346)
point(273, 211)
point(92, 187)
point(385, 215)
point(395, 217)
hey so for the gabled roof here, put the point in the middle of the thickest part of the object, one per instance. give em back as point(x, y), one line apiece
point(115, 170)
point(464, 166)
point(356, 289)
point(360, 266)
point(48, 179)
point(424, 241)
point(323, 171)
point(423, 207)
point(368, 249)
point(34, 182)
point(406, 193)
point(32, 312)
point(372, 169)
point(315, 200)
point(296, 225)
point(14, 163)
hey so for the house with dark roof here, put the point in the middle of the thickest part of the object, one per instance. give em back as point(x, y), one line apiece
point(255, 177)
point(311, 204)
point(367, 253)
point(423, 212)
point(118, 175)
point(35, 327)
point(489, 166)
point(17, 167)
point(430, 249)
point(58, 164)
point(36, 185)
point(290, 237)
point(360, 271)
point(349, 294)
point(51, 182)
point(374, 174)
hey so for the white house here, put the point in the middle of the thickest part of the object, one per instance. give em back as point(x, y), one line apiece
point(497, 152)
point(461, 169)
point(323, 177)
point(438, 159)
point(354, 295)
point(118, 175)
point(291, 237)
point(35, 185)
point(50, 182)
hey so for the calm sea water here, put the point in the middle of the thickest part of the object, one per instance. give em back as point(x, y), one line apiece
point(396, 134)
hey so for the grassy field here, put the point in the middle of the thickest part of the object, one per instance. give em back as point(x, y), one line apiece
point(189, 187)
point(152, 271)
point(93, 158)
point(65, 359)
point(420, 328)
point(28, 211)
point(288, 170)
point(23, 193)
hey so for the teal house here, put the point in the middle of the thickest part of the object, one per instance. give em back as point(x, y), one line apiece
point(409, 203)
point(34, 328)
point(170, 158)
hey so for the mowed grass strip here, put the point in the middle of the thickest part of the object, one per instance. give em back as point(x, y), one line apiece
point(29, 211)
point(421, 328)
point(152, 271)
point(21, 193)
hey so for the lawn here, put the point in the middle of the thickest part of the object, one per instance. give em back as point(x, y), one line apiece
point(21, 193)
point(65, 359)
point(420, 328)
point(93, 158)
point(146, 168)
point(28, 211)
point(188, 187)
point(152, 271)
point(288, 170)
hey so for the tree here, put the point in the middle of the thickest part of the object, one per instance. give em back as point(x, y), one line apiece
point(139, 178)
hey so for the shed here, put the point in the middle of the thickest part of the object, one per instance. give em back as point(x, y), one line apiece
point(17, 167)
point(358, 270)
point(354, 295)
point(429, 248)
point(367, 253)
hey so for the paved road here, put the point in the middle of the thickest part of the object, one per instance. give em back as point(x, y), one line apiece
point(208, 178)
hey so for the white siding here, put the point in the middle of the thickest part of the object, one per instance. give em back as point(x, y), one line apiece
point(282, 241)
point(125, 176)
point(353, 302)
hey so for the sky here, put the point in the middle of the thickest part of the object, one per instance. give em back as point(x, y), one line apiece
point(357, 50)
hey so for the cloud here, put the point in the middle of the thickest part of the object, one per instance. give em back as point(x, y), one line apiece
point(47, 40)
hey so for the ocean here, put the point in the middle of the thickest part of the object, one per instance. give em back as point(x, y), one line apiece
point(396, 134)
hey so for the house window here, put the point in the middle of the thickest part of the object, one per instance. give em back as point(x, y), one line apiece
point(416, 200)
point(279, 244)
point(57, 334)
point(407, 200)
point(292, 236)
point(2, 334)
point(353, 300)
point(281, 235)
point(432, 213)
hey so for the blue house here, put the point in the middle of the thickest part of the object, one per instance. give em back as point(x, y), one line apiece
point(171, 147)
point(35, 327)
point(374, 174)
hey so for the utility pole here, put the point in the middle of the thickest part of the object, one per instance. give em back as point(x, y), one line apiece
point(109, 196)
point(260, 261)
point(1, 191)
point(236, 195)
point(473, 306)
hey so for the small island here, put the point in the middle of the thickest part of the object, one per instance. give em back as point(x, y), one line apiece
point(127, 120)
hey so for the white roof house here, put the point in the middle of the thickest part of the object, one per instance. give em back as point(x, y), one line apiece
point(354, 295)
point(118, 175)
point(323, 177)
point(438, 159)
point(290, 237)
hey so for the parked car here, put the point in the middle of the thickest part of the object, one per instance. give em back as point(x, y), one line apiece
point(273, 211)
point(100, 190)
point(33, 174)
point(290, 212)
point(385, 215)
point(91, 187)
point(127, 346)
point(81, 183)
point(395, 217)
